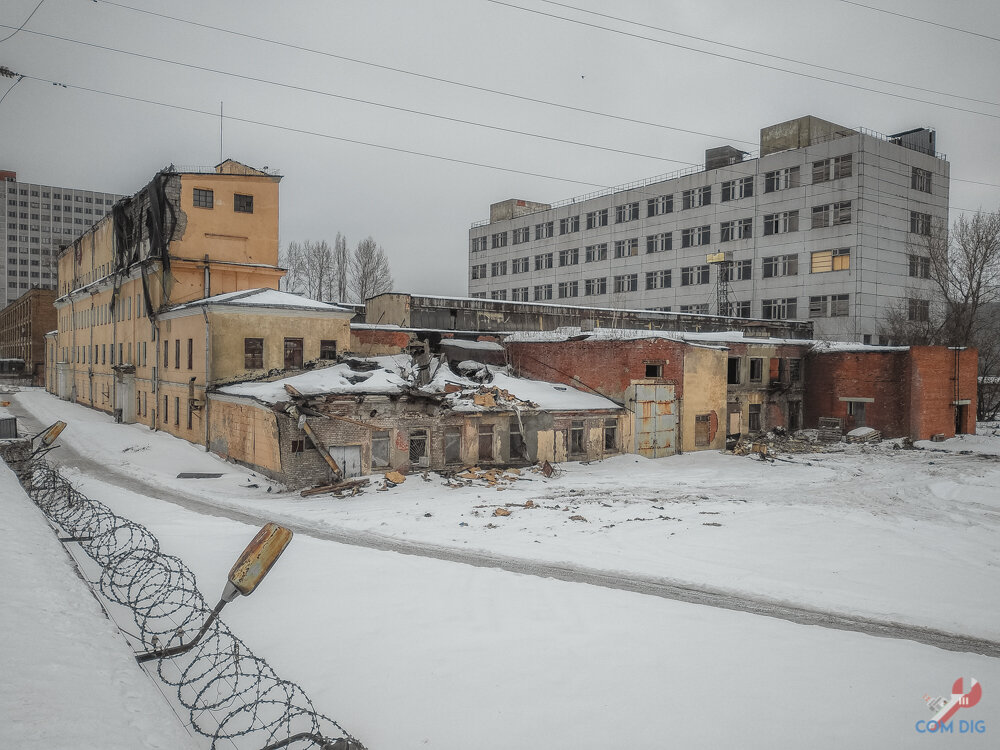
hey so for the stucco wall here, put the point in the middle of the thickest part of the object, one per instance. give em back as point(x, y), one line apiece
point(704, 393)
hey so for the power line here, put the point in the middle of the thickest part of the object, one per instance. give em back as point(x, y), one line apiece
point(328, 136)
point(738, 59)
point(768, 54)
point(437, 79)
point(23, 24)
point(921, 20)
point(357, 100)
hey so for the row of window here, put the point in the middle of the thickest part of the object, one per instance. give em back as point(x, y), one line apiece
point(205, 198)
point(60, 196)
point(253, 352)
point(782, 370)
point(820, 261)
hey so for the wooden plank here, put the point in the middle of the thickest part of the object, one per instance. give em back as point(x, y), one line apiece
point(323, 450)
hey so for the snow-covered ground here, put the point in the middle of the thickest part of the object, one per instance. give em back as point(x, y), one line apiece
point(908, 536)
point(69, 679)
point(408, 651)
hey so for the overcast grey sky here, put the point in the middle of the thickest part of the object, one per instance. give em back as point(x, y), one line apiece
point(420, 208)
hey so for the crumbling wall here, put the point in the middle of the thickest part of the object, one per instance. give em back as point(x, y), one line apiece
point(245, 432)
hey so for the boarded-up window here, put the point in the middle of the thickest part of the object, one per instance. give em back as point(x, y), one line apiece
point(702, 425)
point(453, 445)
point(380, 448)
point(327, 349)
point(293, 354)
point(485, 442)
point(253, 354)
point(775, 369)
point(518, 448)
point(576, 443)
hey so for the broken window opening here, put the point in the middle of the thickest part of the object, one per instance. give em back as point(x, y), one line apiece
point(253, 354)
point(733, 376)
point(293, 354)
point(485, 442)
point(753, 417)
point(654, 370)
point(611, 435)
point(418, 447)
point(756, 369)
point(453, 445)
point(702, 430)
point(380, 448)
point(327, 349)
point(518, 448)
point(577, 446)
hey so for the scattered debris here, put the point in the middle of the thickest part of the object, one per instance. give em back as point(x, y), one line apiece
point(395, 477)
point(711, 523)
point(938, 437)
point(501, 512)
point(197, 475)
point(578, 518)
point(135, 448)
point(864, 435)
point(547, 470)
point(351, 485)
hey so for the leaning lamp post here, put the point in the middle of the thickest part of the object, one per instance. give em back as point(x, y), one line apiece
point(246, 574)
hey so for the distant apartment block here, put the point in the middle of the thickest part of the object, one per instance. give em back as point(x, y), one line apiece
point(826, 224)
point(39, 220)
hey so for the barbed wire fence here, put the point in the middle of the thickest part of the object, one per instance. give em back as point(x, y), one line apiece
point(232, 696)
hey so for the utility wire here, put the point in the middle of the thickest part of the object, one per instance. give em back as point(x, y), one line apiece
point(738, 59)
point(922, 20)
point(23, 24)
point(769, 54)
point(332, 95)
point(437, 79)
point(303, 131)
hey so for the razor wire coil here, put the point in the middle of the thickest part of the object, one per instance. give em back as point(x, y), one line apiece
point(229, 692)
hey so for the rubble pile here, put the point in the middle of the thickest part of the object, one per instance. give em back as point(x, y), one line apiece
point(776, 440)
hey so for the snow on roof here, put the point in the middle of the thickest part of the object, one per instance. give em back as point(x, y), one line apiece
point(490, 346)
point(262, 298)
point(597, 334)
point(551, 396)
point(830, 347)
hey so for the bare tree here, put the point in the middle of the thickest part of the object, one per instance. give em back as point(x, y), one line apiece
point(369, 270)
point(311, 269)
point(342, 264)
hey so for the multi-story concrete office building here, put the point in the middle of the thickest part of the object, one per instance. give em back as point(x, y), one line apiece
point(40, 219)
point(828, 223)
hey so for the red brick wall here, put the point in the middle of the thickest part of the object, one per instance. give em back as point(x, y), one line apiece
point(606, 366)
point(933, 390)
point(362, 337)
point(883, 376)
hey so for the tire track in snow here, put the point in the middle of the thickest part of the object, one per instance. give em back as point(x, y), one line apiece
point(649, 586)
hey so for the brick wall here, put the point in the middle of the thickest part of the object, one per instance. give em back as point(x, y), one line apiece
point(938, 378)
point(371, 342)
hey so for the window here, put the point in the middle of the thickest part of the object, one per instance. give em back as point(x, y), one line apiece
point(699, 309)
point(921, 180)
point(735, 189)
point(177, 354)
point(293, 354)
point(626, 248)
point(626, 282)
point(243, 204)
point(610, 435)
point(202, 198)
point(737, 229)
point(696, 236)
point(833, 306)
point(733, 373)
point(596, 252)
point(453, 444)
point(253, 354)
point(190, 354)
point(543, 231)
point(695, 197)
point(662, 204)
point(824, 261)
point(780, 265)
point(418, 447)
point(831, 215)
point(519, 294)
point(657, 243)
point(499, 268)
point(702, 430)
point(577, 446)
point(479, 271)
point(521, 234)
point(920, 266)
point(166, 410)
point(753, 417)
point(756, 369)
point(569, 224)
point(327, 349)
point(779, 309)
point(478, 244)
point(485, 442)
point(739, 270)
point(781, 179)
point(500, 294)
point(569, 289)
point(569, 257)
point(658, 279)
point(919, 310)
point(786, 221)
point(166, 353)
point(737, 309)
point(592, 287)
point(627, 212)
point(597, 219)
point(543, 292)
point(520, 265)
point(498, 239)
point(833, 168)
point(654, 369)
point(177, 411)
point(794, 370)
point(543, 261)
point(920, 223)
point(692, 275)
